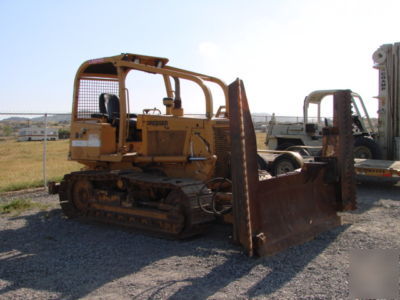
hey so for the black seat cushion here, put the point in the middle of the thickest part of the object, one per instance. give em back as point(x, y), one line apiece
point(109, 105)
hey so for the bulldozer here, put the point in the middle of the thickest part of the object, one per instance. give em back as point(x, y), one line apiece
point(173, 174)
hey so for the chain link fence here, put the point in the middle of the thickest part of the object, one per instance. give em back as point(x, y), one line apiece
point(261, 122)
point(34, 148)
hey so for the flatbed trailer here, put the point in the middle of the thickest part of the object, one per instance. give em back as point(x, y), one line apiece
point(377, 168)
point(364, 168)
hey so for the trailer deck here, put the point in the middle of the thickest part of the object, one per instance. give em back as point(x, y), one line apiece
point(377, 168)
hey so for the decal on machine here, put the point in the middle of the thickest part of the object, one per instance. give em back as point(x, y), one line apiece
point(93, 141)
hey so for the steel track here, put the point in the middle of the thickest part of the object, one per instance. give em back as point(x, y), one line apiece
point(180, 217)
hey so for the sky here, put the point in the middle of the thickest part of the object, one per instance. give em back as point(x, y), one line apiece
point(282, 50)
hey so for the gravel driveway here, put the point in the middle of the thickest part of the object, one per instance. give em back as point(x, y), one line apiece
point(43, 255)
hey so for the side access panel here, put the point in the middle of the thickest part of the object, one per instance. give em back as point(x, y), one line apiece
point(283, 211)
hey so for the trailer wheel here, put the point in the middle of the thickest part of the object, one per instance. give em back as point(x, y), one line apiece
point(366, 148)
point(288, 146)
point(283, 164)
point(302, 151)
point(261, 163)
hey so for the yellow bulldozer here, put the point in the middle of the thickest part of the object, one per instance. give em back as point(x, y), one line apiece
point(174, 174)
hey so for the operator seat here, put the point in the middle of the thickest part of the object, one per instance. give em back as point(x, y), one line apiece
point(109, 105)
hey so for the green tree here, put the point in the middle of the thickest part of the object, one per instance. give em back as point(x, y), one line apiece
point(63, 133)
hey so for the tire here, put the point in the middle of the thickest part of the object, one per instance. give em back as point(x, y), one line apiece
point(302, 151)
point(367, 148)
point(262, 164)
point(283, 164)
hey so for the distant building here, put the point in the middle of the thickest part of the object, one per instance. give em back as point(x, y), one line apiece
point(37, 134)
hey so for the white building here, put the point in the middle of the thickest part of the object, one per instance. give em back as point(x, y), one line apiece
point(37, 134)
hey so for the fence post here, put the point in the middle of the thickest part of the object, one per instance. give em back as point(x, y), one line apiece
point(44, 151)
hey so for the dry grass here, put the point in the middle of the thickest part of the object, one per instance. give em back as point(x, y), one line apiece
point(21, 163)
point(260, 138)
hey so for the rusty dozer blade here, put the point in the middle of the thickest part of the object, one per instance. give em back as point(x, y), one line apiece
point(273, 214)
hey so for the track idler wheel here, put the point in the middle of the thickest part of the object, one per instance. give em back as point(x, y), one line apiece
point(66, 205)
point(82, 195)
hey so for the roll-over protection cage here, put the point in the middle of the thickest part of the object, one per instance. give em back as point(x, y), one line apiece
point(107, 75)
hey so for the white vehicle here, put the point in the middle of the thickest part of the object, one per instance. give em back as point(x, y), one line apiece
point(308, 133)
point(37, 134)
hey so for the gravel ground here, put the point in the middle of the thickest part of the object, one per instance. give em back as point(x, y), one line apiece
point(43, 255)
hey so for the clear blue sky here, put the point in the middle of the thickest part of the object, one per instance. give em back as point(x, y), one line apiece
point(282, 49)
